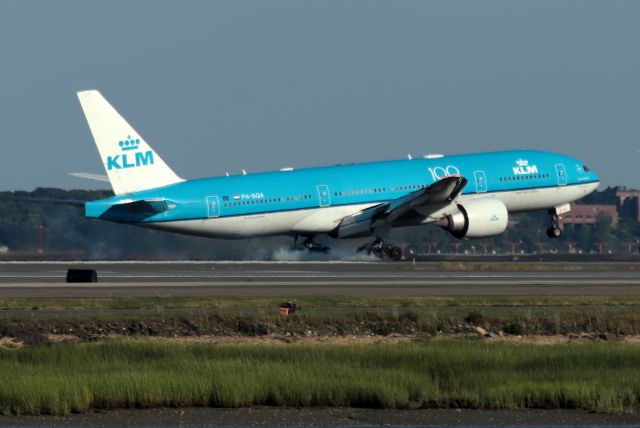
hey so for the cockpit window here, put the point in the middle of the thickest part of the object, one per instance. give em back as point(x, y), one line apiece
point(586, 168)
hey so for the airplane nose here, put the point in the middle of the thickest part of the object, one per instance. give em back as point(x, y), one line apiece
point(595, 181)
point(592, 174)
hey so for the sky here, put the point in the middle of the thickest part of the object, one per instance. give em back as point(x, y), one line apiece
point(218, 86)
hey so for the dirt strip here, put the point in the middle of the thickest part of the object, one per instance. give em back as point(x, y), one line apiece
point(10, 343)
point(284, 417)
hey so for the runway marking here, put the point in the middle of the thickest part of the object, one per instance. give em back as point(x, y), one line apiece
point(589, 276)
point(203, 262)
point(237, 284)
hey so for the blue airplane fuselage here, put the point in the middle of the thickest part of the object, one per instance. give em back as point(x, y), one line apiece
point(541, 179)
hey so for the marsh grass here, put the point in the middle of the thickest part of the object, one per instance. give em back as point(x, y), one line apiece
point(93, 319)
point(602, 377)
point(539, 320)
point(310, 302)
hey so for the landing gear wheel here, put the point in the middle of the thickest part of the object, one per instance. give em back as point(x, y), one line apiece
point(394, 253)
point(310, 245)
point(314, 247)
point(381, 250)
point(554, 232)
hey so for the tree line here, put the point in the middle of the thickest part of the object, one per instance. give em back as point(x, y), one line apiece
point(61, 230)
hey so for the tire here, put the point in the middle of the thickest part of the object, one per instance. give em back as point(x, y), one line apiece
point(549, 232)
point(395, 253)
point(554, 232)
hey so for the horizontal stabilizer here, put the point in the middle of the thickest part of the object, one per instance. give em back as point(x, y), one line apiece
point(90, 176)
point(70, 202)
point(142, 206)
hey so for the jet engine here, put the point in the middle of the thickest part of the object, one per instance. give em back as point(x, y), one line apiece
point(478, 218)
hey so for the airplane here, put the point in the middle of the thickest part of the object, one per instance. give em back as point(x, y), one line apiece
point(469, 195)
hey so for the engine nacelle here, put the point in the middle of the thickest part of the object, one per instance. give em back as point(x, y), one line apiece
point(478, 218)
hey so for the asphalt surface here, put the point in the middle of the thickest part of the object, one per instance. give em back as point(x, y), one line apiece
point(131, 279)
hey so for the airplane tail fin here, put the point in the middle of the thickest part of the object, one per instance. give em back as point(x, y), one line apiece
point(131, 164)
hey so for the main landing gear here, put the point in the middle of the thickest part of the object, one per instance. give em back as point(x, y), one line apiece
point(309, 245)
point(554, 231)
point(382, 250)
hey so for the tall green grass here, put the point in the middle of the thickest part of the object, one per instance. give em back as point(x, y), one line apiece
point(602, 377)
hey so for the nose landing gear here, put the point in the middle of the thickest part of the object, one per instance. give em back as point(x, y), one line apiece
point(554, 231)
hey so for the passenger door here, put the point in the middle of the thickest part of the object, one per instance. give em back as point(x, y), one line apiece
point(481, 181)
point(562, 174)
point(324, 197)
point(213, 207)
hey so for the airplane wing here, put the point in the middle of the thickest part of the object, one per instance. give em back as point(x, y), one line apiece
point(440, 193)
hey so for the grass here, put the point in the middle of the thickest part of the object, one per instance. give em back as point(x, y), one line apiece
point(90, 319)
point(66, 378)
point(321, 301)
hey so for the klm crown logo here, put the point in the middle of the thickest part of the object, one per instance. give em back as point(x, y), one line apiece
point(129, 160)
point(129, 144)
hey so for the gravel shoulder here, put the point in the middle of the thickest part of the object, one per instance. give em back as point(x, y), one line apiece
point(272, 416)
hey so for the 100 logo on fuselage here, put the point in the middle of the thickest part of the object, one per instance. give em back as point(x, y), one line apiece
point(440, 172)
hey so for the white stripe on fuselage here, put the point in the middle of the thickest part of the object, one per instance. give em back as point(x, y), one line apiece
point(326, 219)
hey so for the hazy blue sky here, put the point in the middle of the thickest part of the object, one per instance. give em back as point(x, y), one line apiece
point(216, 86)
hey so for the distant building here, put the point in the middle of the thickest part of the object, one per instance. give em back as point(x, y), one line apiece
point(628, 202)
point(4, 249)
point(588, 215)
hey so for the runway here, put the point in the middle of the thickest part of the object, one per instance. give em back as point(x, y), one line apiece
point(133, 279)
